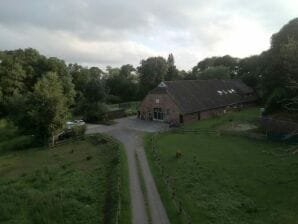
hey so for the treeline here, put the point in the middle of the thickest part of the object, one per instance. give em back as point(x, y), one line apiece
point(273, 73)
point(39, 94)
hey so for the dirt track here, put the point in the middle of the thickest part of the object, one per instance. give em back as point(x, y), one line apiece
point(129, 131)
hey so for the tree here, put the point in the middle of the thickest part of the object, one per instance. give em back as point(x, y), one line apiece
point(93, 108)
point(12, 78)
point(121, 84)
point(250, 71)
point(172, 73)
point(281, 70)
point(226, 61)
point(95, 72)
point(59, 67)
point(217, 72)
point(94, 90)
point(126, 71)
point(48, 106)
point(152, 71)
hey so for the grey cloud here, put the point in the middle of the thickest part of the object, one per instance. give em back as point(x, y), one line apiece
point(115, 31)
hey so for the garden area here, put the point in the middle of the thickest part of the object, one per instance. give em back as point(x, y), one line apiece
point(224, 178)
point(82, 182)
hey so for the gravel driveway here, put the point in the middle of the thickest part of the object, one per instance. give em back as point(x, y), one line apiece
point(129, 131)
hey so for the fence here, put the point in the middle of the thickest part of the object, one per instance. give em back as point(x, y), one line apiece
point(67, 141)
point(126, 105)
point(195, 131)
point(167, 180)
point(251, 135)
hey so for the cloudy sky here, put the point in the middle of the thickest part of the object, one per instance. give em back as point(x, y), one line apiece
point(116, 32)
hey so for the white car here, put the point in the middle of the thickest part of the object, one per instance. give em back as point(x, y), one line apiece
point(71, 124)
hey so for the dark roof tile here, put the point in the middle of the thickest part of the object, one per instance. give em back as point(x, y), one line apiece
point(198, 95)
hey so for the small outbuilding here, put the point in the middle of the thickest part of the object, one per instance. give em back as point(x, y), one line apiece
point(185, 101)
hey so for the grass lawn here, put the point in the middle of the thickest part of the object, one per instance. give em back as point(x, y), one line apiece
point(73, 183)
point(227, 179)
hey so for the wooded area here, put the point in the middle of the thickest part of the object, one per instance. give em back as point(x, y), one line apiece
point(39, 94)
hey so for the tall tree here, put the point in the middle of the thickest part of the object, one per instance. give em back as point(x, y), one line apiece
point(172, 73)
point(93, 106)
point(217, 72)
point(250, 71)
point(49, 110)
point(208, 63)
point(121, 84)
point(152, 71)
point(281, 70)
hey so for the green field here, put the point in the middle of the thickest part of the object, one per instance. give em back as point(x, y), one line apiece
point(227, 179)
point(73, 183)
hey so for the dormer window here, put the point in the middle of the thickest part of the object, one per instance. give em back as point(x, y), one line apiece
point(162, 85)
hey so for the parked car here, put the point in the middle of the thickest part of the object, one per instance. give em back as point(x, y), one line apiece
point(71, 124)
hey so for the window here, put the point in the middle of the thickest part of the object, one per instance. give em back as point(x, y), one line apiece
point(158, 114)
point(157, 101)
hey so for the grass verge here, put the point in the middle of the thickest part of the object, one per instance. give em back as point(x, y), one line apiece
point(72, 183)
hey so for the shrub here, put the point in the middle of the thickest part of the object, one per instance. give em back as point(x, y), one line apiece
point(78, 130)
point(274, 101)
point(113, 99)
point(95, 112)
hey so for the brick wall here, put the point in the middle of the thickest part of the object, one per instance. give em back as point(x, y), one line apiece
point(188, 118)
point(163, 101)
point(171, 111)
point(211, 113)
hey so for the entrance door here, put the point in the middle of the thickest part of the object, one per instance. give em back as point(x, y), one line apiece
point(158, 114)
point(181, 119)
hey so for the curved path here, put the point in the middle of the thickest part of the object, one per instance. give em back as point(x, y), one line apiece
point(129, 131)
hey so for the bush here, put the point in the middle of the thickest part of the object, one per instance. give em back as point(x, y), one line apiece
point(274, 101)
point(78, 130)
point(17, 143)
point(95, 112)
point(112, 99)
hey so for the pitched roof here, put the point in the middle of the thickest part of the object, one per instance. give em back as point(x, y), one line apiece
point(198, 95)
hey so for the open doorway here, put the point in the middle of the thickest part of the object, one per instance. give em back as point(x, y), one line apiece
point(181, 120)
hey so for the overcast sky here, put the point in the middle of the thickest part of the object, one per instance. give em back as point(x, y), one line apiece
point(116, 32)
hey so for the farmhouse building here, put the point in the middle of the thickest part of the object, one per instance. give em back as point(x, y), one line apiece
point(185, 101)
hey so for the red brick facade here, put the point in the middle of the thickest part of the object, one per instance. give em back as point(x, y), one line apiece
point(165, 102)
point(171, 111)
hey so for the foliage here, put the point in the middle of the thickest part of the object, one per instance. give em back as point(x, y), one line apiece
point(275, 100)
point(173, 72)
point(221, 67)
point(48, 101)
point(95, 112)
point(281, 69)
point(78, 130)
point(121, 84)
point(25, 95)
point(152, 71)
point(249, 70)
point(217, 72)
